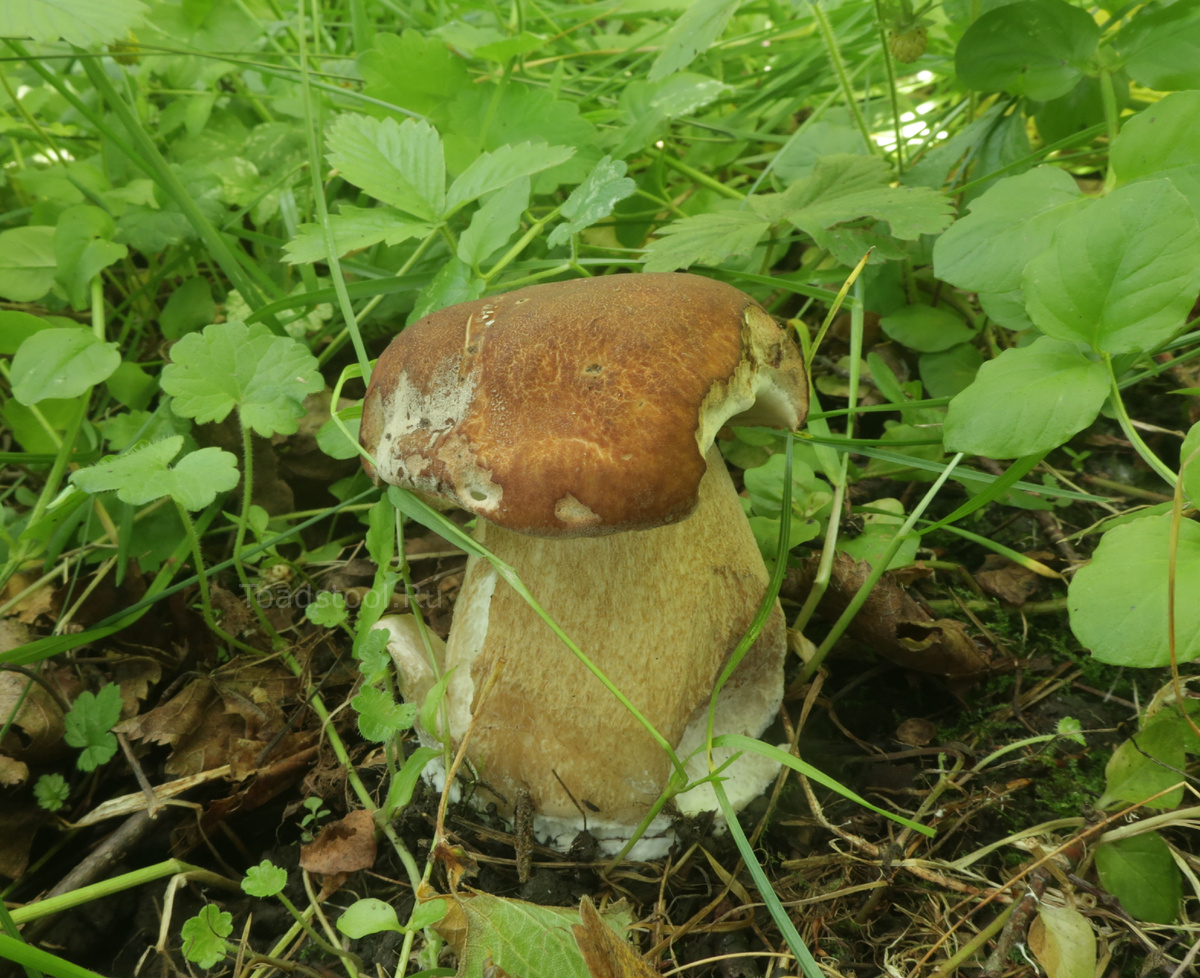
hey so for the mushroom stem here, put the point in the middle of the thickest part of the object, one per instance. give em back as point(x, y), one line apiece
point(659, 611)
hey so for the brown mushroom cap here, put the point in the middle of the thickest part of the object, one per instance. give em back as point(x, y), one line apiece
point(581, 407)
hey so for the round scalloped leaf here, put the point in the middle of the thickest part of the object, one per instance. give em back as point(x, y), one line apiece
point(1118, 602)
point(1036, 48)
point(1028, 400)
point(1121, 275)
point(232, 365)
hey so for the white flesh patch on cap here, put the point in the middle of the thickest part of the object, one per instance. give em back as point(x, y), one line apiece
point(574, 513)
point(435, 412)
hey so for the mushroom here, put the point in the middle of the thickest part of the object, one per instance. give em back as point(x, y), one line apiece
point(577, 421)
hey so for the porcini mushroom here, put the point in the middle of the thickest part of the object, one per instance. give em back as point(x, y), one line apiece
point(577, 421)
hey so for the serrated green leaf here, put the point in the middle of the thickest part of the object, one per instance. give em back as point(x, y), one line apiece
point(399, 164)
point(51, 792)
point(143, 474)
point(83, 23)
point(707, 239)
point(1027, 401)
point(1036, 48)
point(354, 228)
point(89, 724)
point(61, 363)
point(1118, 602)
point(204, 935)
point(413, 71)
point(494, 223)
point(926, 329)
point(1013, 222)
point(380, 718)
point(593, 200)
point(27, 263)
point(500, 168)
point(231, 365)
point(264, 880)
point(849, 189)
point(1141, 873)
point(1161, 46)
point(329, 610)
point(1120, 275)
point(695, 31)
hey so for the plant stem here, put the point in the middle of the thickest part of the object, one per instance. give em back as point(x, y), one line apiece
point(240, 536)
point(839, 68)
point(1131, 432)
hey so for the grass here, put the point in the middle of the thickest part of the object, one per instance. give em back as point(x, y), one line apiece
point(214, 217)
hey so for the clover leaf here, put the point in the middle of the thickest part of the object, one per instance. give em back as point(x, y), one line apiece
point(232, 365)
point(144, 474)
point(89, 726)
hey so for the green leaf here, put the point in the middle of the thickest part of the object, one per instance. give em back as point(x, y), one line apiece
point(27, 265)
point(1121, 275)
point(204, 935)
point(231, 365)
point(329, 610)
point(413, 71)
point(398, 164)
point(1161, 46)
point(707, 239)
point(131, 385)
point(500, 168)
point(16, 328)
point(354, 228)
point(83, 23)
point(142, 475)
point(701, 23)
point(380, 718)
point(1027, 401)
point(1141, 873)
point(1118, 602)
point(89, 724)
point(1163, 140)
point(951, 371)
point(455, 282)
point(61, 363)
point(987, 250)
point(51, 792)
point(83, 247)
point(879, 530)
point(1189, 464)
point(494, 223)
point(188, 308)
point(593, 200)
point(926, 329)
point(264, 880)
point(1036, 48)
point(1150, 762)
point(854, 190)
point(368, 916)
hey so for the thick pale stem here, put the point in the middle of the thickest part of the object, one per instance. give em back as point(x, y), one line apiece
point(659, 611)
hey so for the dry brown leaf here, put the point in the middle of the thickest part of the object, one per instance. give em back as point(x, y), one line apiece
point(607, 955)
point(18, 823)
point(37, 727)
point(134, 677)
point(1003, 579)
point(343, 847)
point(890, 622)
point(12, 771)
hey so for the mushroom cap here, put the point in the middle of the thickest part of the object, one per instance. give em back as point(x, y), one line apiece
point(578, 408)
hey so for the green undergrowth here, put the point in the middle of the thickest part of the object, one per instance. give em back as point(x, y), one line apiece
point(980, 221)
